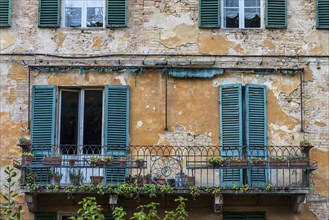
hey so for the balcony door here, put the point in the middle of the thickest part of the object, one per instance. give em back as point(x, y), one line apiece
point(80, 126)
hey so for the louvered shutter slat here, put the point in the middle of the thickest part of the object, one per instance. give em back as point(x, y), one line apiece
point(322, 14)
point(42, 127)
point(117, 13)
point(209, 13)
point(231, 130)
point(256, 136)
point(116, 129)
point(276, 14)
point(5, 13)
point(49, 13)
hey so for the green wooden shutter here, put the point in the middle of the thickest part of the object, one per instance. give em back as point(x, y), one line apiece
point(209, 13)
point(276, 14)
point(231, 130)
point(116, 129)
point(256, 136)
point(5, 13)
point(42, 127)
point(45, 216)
point(49, 13)
point(322, 14)
point(116, 13)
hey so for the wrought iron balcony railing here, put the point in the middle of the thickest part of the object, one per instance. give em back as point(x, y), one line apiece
point(285, 168)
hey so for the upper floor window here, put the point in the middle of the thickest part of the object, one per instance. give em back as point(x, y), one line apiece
point(241, 14)
point(83, 13)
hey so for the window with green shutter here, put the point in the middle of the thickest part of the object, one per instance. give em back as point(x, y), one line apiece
point(83, 13)
point(322, 14)
point(243, 131)
point(276, 14)
point(5, 13)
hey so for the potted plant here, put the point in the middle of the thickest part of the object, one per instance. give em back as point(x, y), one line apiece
point(76, 178)
point(146, 179)
point(96, 161)
point(96, 179)
point(55, 160)
point(191, 180)
point(25, 142)
point(139, 162)
point(55, 177)
point(305, 146)
point(28, 158)
point(258, 161)
point(216, 161)
point(298, 161)
point(238, 161)
point(108, 160)
point(71, 161)
point(122, 161)
point(278, 161)
point(160, 180)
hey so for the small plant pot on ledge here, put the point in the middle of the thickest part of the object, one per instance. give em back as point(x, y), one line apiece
point(299, 163)
point(96, 179)
point(72, 161)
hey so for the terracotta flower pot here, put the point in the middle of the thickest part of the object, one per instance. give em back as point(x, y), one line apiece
point(242, 163)
point(72, 161)
point(28, 160)
point(299, 163)
point(122, 162)
point(96, 179)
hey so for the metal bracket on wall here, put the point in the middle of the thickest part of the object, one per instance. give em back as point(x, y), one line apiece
point(218, 203)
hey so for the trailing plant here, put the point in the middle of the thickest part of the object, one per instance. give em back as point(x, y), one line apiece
point(76, 178)
point(234, 187)
point(244, 188)
point(56, 188)
point(268, 187)
point(150, 189)
point(147, 212)
point(30, 178)
point(213, 190)
point(195, 191)
point(90, 210)
point(110, 188)
point(55, 174)
point(95, 161)
point(277, 158)
point(298, 158)
point(166, 188)
point(70, 189)
point(48, 186)
point(127, 190)
point(179, 213)
point(119, 213)
point(10, 209)
point(100, 188)
point(32, 187)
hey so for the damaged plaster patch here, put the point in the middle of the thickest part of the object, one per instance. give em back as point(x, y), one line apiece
point(139, 124)
point(122, 78)
point(181, 34)
point(163, 21)
point(181, 137)
point(6, 40)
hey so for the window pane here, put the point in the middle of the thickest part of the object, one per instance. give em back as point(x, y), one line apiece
point(73, 17)
point(252, 3)
point(92, 131)
point(231, 18)
point(252, 18)
point(95, 17)
point(231, 3)
point(69, 122)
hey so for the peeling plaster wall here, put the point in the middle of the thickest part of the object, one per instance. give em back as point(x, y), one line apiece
point(167, 27)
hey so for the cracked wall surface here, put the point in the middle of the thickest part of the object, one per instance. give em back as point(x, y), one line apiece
point(168, 27)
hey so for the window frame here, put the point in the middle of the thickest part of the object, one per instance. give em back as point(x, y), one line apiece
point(84, 7)
point(81, 92)
point(241, 15)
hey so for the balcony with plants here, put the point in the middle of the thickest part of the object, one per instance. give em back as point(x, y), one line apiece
point(156, 170)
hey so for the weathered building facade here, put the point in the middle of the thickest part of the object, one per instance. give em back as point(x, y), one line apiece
point(173, 82)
